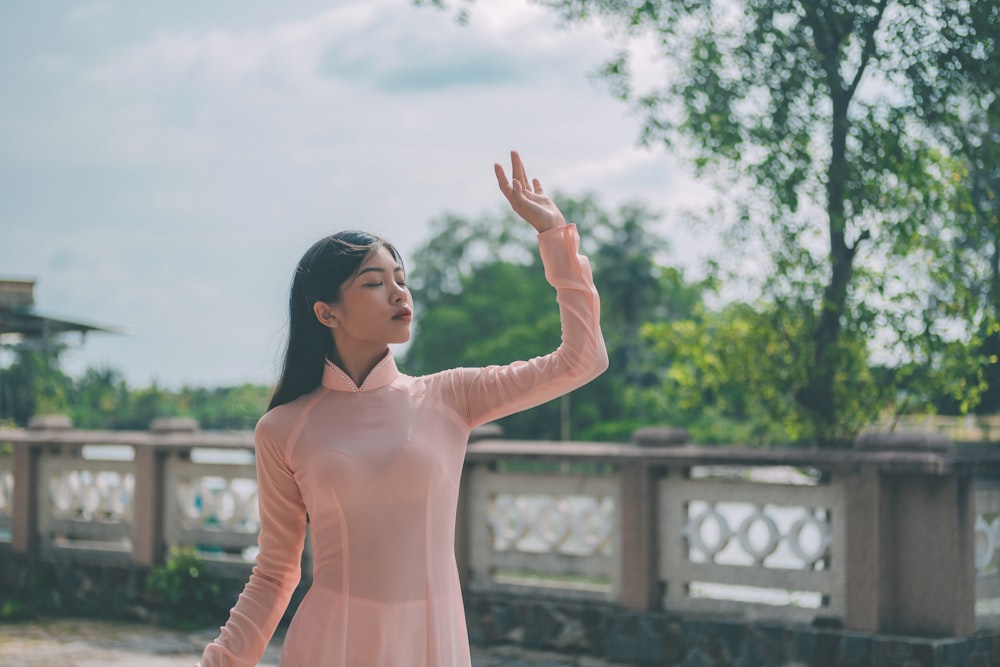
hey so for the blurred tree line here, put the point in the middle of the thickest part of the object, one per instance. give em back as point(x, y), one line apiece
point(679, 354)
point(481, 298)
point(34, 383)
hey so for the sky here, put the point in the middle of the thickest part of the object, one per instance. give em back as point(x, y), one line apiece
point(163, 166)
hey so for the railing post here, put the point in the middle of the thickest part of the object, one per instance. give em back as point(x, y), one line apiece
point(931, 574)
point(863, 577)
point(638, 574)
point(919, 532)
point(27, 484)
point(639, 587)
point(24, 522)
point(464, 513)
point(149, 490)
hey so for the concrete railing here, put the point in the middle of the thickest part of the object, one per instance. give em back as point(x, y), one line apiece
point(899, 535)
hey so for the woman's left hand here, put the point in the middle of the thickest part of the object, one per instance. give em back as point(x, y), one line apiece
point(528, 199)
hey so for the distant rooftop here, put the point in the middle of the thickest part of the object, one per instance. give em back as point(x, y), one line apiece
point(19, 316)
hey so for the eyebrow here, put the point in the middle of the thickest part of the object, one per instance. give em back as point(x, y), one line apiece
point(378, 269)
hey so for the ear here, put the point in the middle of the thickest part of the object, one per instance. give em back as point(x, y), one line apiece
point(324, 313)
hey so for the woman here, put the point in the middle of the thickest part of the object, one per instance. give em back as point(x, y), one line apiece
point(373, 457)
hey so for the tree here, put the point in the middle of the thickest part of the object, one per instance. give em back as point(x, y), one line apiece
point(958, 98)
point(34, 383)
point(982, 155)
point(813, 104)
point(225, 408)
point(482, 299)
point(101, 399)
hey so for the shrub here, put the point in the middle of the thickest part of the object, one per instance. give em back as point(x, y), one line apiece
point(186, 596)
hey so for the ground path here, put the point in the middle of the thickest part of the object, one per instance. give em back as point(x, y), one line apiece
point(86, 643)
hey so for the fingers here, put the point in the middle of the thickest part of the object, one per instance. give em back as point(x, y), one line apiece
point(502, 181)
point(519, 173)
point(519, 186)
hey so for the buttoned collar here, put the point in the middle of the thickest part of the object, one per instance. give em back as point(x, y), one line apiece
point(383, 374)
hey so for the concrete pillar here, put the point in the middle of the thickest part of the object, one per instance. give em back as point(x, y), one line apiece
point(928, 563)
point(639, 585)
point(916, 532)
point(24, 523)
point(149, 492)
point(863, 567)
point(910, 556)
point(638, 579)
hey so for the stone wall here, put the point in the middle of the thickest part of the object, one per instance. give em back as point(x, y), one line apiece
point(609, 633)
point(604, 632)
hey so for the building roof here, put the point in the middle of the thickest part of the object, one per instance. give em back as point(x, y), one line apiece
point(19, 316)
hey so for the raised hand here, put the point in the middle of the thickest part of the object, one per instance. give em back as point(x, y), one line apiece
point(528, 199)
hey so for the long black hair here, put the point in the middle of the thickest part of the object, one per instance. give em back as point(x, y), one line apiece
point(321, 272)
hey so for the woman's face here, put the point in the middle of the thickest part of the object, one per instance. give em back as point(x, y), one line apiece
point(374, 306)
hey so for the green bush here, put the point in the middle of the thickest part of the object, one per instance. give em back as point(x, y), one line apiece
point(185, 595)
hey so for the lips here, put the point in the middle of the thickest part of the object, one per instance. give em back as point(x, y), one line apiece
point(404, 315)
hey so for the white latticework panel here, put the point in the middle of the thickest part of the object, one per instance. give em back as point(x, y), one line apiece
point(212, 506)
point(573, 525)
point(987, 527)
point(761, 535)
point(92, 495)
point(733, 544)
point(86, 501)
point(214, 502)
point(549, 530)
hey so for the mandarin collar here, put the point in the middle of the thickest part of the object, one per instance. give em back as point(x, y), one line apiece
point(383, 374)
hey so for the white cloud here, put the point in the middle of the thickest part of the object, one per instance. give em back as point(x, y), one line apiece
point(177, 174)
point(89, 16)
point(293, 48)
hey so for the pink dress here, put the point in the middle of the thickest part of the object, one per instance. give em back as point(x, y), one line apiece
point(377, 470)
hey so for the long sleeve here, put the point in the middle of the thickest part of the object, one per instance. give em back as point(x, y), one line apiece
point(496, 391)
point(262, 603)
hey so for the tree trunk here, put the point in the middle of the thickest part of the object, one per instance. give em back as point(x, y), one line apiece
point(818, 396)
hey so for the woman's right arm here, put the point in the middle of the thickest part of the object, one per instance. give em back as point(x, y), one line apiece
point(252, 621)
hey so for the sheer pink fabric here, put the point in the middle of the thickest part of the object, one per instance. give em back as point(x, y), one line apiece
point(377, 469)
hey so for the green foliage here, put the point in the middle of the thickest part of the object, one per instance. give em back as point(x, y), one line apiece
point(482, 298)
point(35, 589)
point(34, 383)
point(224, 408)
point(737, 365)
point(101, 399)
point(187, 597)
point(31, 596)
point(964, 116)
point(14, 610)
point(828, 114)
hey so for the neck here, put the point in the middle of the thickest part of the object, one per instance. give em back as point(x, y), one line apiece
point(358, 360)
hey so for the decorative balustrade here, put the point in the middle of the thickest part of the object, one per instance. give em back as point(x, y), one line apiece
point(987, 551)
point(213, 507)
point(554, 530)
point(749, 541)
point(648, 526)
point(85, 503)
